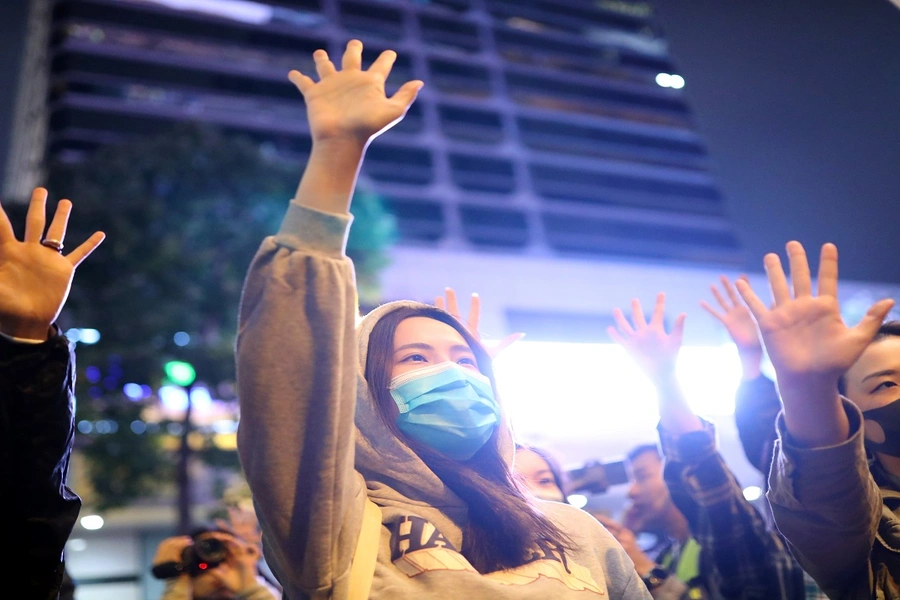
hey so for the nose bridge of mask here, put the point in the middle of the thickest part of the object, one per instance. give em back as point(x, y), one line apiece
point(446, 375)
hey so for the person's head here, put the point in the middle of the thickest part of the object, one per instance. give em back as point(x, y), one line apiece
point(433, 388)
point(651, 503)
point(433, 383)
point(873, 384)
point(540, 472)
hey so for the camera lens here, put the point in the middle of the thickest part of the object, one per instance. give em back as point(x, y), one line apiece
point(210, 550)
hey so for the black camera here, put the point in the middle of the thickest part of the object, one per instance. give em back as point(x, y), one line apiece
point(201, 556)
point(595, 477)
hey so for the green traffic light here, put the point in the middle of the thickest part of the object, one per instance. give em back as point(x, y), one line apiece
point(180, 373)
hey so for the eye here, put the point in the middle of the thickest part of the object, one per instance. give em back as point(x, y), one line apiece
point(415, 358)
point(884, 385)
point(545, 481)
point(468, 362)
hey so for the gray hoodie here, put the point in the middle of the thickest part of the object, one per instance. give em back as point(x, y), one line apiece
point(313, 447)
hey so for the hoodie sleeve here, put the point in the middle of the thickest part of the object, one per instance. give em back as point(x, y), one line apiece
point(297, 378)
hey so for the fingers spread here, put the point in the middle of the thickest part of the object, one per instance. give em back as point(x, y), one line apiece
point(324, 66)
point(637, 314)
point(716, 314)
point(800, 275)
point(777, 280)
point(874, 317)
point(452, 304)
point(828, 270)
point(757, 307)
point(384, 63)
point(6, 229)
point(352, 58)
point(57, 229)
point(80, 253)
point(407, 94)
point(474, 314)
point(621, 322)
point(719, 298)
point(729, 289)
point(659, 311)
point(36, 217)
point(301, 81)
point(678, 327)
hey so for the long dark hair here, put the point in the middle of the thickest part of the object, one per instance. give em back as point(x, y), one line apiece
point(887, 329)
point(503, 523)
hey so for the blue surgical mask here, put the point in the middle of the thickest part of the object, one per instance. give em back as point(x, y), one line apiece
point(448, 408)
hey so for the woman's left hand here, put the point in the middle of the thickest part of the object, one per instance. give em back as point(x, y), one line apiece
point(35, 278)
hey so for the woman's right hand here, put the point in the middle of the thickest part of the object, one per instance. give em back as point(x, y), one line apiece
point(350, 103)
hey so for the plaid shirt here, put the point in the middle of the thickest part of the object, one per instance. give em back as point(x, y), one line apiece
point(741, 557)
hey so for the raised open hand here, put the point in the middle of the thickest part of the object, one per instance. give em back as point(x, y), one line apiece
point(808, 342)
point(735, 316)
point(648, 343)
point(35, 277)
point(351, 102)
point(472, 321)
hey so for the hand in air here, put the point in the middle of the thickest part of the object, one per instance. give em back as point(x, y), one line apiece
point(805, 336)
point(35, 276)
point(350, 103)
point(473, 320)
point(735, 317)
point(654, 350)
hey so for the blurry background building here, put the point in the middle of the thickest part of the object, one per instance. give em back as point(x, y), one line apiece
point(556, 162)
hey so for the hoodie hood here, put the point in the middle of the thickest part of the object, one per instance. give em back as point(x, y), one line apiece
point(389, 466)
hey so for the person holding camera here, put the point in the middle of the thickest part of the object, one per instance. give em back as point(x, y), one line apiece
point(210, 565)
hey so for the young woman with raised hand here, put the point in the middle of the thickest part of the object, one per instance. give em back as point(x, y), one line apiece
point(401, 411)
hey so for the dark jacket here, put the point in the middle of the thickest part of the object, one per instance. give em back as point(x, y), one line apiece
point(37, 510)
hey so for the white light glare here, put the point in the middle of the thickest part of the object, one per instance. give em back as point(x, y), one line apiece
point(92, 522)
point(668, 80)
point(752, 492)
point(84, 336)
point(76, 545)
point(568, 391)
point(173, 397)
point(577, 500)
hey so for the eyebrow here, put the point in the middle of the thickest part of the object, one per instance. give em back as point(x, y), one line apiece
point(424, 346)
point(879, 374)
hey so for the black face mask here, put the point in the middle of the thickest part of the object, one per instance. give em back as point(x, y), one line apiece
point(888, 418)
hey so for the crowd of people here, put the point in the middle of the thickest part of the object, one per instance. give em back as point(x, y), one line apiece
point(382, 462)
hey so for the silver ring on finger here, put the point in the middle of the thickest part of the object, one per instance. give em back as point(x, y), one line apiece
point(54, 244)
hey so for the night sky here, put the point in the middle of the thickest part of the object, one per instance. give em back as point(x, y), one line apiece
point(799, 103)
